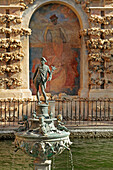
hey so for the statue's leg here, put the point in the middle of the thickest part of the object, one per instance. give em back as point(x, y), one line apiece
point(37, 88)
point(43, 92)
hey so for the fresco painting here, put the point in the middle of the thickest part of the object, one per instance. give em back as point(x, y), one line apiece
point(55, 36)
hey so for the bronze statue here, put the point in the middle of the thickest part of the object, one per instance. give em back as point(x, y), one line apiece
point(40, 78)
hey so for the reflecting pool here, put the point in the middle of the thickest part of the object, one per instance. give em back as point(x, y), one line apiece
point(86, 154)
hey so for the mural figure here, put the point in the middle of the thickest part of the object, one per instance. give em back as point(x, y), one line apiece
point(54, 33)
point(41, 78)
point(55, 49)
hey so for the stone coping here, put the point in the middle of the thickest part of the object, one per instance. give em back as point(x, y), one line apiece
point(76, 132)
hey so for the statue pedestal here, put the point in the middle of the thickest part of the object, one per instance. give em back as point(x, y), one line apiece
point(42, 110)
point(42, 166)
point(51, 107)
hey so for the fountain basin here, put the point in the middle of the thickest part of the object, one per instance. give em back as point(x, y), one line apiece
point(42, 146)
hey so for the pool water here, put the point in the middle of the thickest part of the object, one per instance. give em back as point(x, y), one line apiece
point(86, 154)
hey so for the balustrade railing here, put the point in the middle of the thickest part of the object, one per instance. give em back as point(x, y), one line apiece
point(74, 111)
point(86, 111)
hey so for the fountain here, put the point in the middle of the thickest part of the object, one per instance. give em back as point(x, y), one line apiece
point(47, 135)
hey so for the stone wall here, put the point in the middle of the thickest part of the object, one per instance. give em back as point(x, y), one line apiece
point(95, 18)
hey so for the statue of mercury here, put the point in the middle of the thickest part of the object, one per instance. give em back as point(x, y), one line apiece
point(40, 78)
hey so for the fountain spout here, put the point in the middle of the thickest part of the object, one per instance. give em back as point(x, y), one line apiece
point(65, 147)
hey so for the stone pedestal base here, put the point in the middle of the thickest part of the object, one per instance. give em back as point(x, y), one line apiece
point(42, 110)
point(43, 166)
point(51, 107)
point(15, 93)
point(101, 93)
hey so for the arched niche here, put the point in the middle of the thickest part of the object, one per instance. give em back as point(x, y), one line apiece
point(83, 21)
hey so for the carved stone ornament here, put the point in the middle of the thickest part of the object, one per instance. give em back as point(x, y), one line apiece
point(99, 57)
point(101, 68)
point(24, 6)
point(10, 69)
point(100, 43)
point(84, 4)
point(10, 18)
point(100, 81)
point(24, 3)
point(10, 82)
point(10, 56)
point(29, 1)
point(96, 31)
point(106, 20)
point(15, 31)
point(12, 43)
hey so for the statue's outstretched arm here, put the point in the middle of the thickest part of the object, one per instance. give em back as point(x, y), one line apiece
point(50, 73)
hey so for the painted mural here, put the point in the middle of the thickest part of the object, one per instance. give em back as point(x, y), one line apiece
point(55, 36)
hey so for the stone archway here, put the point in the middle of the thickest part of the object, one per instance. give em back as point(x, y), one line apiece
point(83, 91)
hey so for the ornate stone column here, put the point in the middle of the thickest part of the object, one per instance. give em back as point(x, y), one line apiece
point(14, 80)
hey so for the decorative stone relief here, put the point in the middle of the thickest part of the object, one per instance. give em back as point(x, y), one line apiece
point(84, 4)
point(10, 82)
point(25, 3)
point(12, 43)
point(8, 18)
point(96, 31)
point(29, 1)
point(16, 31)
point(100, 68)
point(10, 69)
point(100, 43)
point(99, 81)
point(24, 6)
point(10, 56)
point(99, 51)
point(99, 57)
point(106, 20)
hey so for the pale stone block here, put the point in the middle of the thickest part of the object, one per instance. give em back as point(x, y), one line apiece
point(43, 166)
point(12, 93)
point(101, 93)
